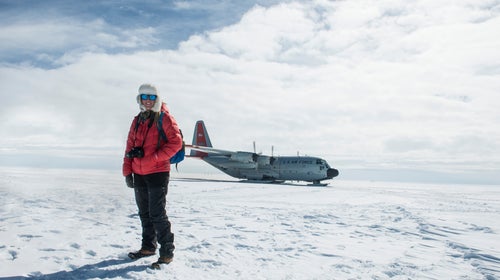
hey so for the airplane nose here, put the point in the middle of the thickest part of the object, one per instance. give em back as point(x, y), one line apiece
point(332, 172)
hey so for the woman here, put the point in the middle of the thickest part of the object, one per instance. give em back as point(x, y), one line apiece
point(146, 168)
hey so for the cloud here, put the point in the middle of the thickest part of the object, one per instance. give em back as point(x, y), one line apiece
point(67, 30)
point(46, 39)
point(383, 83)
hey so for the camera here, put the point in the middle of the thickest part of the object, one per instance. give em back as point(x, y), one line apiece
point(136, 152)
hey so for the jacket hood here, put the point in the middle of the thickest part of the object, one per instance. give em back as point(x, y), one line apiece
point(149, 89)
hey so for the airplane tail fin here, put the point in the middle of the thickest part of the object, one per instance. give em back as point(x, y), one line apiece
point(200, 138)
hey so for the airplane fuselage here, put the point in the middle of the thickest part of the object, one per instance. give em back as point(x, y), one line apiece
point(299, 168)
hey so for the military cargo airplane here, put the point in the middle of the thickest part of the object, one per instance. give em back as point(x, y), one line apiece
point(257, 167)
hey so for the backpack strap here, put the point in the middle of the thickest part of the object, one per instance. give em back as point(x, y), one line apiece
point(161, 134)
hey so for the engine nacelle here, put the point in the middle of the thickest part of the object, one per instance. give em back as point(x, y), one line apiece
point(243, 157)
point(263, 160)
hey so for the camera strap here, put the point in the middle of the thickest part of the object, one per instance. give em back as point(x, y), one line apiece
point(150, 124)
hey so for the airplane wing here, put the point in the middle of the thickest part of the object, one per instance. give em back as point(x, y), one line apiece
point(239, 156)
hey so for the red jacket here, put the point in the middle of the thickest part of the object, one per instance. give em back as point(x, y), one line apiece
point(154, 160)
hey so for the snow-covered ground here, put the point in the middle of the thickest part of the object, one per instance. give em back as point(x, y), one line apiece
point(74, 224)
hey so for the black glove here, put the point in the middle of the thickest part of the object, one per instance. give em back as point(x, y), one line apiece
point(130, 181)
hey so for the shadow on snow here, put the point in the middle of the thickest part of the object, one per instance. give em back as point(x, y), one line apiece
point(245, 181)
point(98, 270)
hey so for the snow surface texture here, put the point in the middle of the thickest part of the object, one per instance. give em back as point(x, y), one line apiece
point(68, 224)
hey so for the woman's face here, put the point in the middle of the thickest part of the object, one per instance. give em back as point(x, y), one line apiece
point(148, 101)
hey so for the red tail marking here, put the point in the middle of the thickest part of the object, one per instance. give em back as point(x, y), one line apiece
point(201, 140)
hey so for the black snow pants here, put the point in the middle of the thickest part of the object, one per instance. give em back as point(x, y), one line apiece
point(150, 196)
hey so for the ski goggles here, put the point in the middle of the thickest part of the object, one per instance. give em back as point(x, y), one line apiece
point(148, 96)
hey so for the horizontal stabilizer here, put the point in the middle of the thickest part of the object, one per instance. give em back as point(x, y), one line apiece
point(209, 150)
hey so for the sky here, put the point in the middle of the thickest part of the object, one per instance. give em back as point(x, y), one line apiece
point(383, 90)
